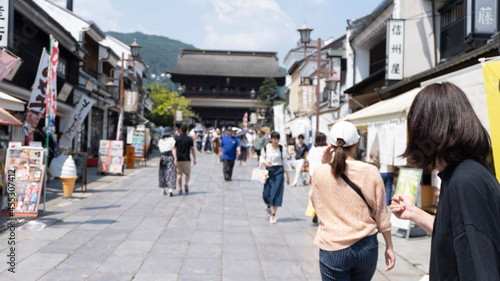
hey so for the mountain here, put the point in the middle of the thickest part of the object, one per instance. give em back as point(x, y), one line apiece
point(158, 52)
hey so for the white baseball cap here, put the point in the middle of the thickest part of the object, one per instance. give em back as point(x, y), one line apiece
point(346, 131)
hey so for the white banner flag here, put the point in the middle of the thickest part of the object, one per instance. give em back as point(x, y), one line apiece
point(76, 119)
point(279, 121)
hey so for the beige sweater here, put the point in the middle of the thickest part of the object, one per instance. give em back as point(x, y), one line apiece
point(344, 217)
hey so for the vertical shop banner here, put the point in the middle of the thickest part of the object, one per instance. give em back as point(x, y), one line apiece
point(4, 23)
point(131, 101)
point(7, 63)
point(491, 72)
point(279, 121)
point(36, 106)
point(52, 85)
point(76, 119)
point(245, 121)
point(395, 49)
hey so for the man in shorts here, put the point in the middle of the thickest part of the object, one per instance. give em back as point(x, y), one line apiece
point(183, 145)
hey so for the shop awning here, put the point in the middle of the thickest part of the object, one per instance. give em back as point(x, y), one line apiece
point(7, 119)
point(390, 110)
point(11, 103)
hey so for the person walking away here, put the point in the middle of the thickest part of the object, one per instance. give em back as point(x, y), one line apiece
point(244, 149)
point(167, 175)
point(229, 149)
point(184, 145)
point(387, 173)
point(259, 143)
point(349, 220)
point(300, 153)
point(466, 229)
point(314, 157)
point(207, 141)
point(274, 157)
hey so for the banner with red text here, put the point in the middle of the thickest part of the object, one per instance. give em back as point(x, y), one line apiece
point(52, 85)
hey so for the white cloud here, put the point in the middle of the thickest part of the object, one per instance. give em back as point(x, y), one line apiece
point(247, 25)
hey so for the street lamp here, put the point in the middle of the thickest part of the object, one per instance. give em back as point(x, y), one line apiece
point(305, 38)
point(134, 49)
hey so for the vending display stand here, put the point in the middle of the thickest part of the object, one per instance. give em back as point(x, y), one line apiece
point(110, 157)
point(24, 181)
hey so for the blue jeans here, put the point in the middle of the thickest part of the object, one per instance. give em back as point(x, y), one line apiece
point(387, 178)
point(357, 262)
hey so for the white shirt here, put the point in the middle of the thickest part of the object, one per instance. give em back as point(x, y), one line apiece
point(273, 156)
point(314, 157)
point(166, 144)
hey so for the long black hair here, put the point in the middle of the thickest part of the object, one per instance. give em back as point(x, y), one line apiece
point(443, 125)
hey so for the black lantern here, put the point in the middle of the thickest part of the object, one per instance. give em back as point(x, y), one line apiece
point(305, 34)
point(134, 48)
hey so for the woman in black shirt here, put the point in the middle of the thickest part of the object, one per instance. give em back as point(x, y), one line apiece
point(444, 132)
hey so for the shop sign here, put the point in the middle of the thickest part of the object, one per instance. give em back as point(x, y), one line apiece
point(4, 23)
point(131, 101)
point(36, 107)
point(395, 49)
point(77, 117)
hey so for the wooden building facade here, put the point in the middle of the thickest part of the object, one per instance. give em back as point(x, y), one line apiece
point(219, 83)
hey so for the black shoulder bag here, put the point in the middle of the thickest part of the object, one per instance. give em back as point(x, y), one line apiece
point(358, 191)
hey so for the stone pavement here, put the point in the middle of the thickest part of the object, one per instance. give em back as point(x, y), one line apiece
point(122, 228)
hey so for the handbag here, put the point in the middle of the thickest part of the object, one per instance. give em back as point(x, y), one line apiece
point(358, 191)
point(260, 175)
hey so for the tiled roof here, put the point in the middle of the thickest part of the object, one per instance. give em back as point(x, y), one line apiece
point(228, 63)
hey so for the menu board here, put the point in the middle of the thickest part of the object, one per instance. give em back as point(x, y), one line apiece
point(25, 171)
point(409, 185)
point(110, 157)
point(138, 141)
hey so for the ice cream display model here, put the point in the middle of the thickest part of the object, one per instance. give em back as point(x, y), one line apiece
point(68, 176)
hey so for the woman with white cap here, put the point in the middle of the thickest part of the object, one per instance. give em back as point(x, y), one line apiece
point(168, 161)
point(349, 199)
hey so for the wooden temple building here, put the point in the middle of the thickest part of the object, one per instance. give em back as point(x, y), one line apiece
point(219, 83)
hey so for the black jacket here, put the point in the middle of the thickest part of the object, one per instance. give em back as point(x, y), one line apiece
point(466, 233)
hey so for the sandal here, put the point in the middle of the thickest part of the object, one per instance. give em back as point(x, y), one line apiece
point(186, 187)
point(273, 219)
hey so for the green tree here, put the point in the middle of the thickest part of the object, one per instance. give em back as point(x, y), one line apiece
point(166, 103)
point(268, 89)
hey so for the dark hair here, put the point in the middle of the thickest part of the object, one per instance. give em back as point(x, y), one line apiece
point(338, 164)
point(301, 136)
point(443, 125)
point(320, 140)
point(184, 128)
point(275, 135)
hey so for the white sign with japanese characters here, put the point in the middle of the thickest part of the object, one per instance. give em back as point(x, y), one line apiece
point(486, 16)
point(4, 23)
point(395, 49)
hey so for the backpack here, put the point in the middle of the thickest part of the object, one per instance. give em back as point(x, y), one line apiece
point(281, 151)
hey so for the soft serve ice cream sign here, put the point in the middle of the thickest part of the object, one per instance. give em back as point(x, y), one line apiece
point(68, 176)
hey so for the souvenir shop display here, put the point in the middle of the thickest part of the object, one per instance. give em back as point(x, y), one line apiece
point(110, 157)
point(139, 144)
point(24, 180)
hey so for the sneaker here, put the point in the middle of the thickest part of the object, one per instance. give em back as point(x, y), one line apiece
point(171, 194)
point(268, 212)
point(163, 192)
point(272, 219)
point(180, 190)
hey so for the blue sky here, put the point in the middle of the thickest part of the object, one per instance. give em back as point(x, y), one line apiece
point(257, 25)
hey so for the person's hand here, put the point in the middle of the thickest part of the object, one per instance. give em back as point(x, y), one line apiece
point(287, 179)
point(268, 164)
point(175, 163)
point(194, 162)
point(326, 158)
point(390, 259)
point(402, 207)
